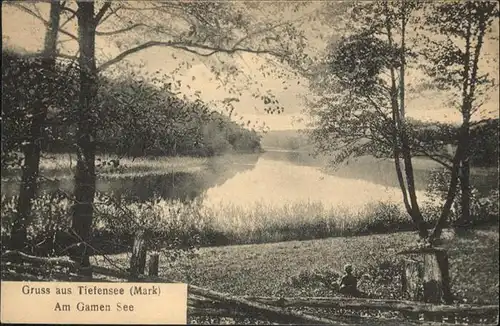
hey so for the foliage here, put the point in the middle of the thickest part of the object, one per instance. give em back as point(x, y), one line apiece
point(136, 117)
point(25, 87)
point(452, 61)
point(484, 208)
point(171, 227)
point(315, 278)
point(353, 115)
point(455, 63)
point(141, 117)
point(431, 139)
point(174, 224)
point(49, 219)
point(484, 144)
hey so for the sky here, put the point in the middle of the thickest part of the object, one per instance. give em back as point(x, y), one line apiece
point(20, 30)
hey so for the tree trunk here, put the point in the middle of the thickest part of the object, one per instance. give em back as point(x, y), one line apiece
point(27, 189)
point(415, 213)
point(426, 277)
point(139, 252)
point(85, 137)
point(32, 150)
point(465, 190)
point(450, 197)
point(154, 263)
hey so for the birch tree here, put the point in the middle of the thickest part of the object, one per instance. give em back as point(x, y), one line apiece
point(457, 65)
point(38, 112)
point(361, 109)
point(201, 28)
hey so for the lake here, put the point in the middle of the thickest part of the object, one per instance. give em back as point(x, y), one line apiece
point(274, 177)
point(280, 177)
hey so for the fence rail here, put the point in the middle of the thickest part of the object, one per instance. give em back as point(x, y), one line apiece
point(205, 302)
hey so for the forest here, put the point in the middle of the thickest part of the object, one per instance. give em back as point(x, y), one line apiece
point(157, 123)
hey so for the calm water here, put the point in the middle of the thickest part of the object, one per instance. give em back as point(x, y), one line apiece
point(287, 177)
point(274, 177)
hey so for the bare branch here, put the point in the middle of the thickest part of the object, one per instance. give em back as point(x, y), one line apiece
point(478, 122)
point(71, 11)
point(37, 10)
point(420, 150)
point(31, 12)
point(118, 31)
point(435, 158)
point(73, 15)
point(73, 36)
point(377, 108)
point(190, 47)
point(101, 12)
point(45, 22)
point(112, 11)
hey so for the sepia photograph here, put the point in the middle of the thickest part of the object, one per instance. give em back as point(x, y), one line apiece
point(250, 162)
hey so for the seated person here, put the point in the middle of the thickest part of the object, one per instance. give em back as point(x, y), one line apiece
point(349, 282)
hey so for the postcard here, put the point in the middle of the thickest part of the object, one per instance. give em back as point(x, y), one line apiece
point(250, 162)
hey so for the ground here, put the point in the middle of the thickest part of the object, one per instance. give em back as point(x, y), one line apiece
point(303, 267)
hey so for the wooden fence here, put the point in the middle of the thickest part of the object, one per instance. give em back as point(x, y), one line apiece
point(207, 303)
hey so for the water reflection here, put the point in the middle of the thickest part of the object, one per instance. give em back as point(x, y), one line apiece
point(274, 177)
point(180, 185)
point(277, 182)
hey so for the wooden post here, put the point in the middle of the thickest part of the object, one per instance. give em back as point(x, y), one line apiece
point(411, 281)
point(433, 281)
point(138, 259)
point(154, 260)
point(411, 278)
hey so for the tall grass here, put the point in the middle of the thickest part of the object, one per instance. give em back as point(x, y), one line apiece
point(58, 164)
point(265, 222)
point(175, 223)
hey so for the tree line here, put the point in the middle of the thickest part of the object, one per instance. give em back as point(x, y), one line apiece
point(136, 118)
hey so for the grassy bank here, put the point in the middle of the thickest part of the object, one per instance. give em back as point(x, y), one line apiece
point(64, 164)
point(306, 268)
point(265, 222)
point(193, 224)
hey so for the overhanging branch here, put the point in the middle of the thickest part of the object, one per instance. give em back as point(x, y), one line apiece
point(45, 22)
point(434, 157)
point(118, 31)
point(71, 11)
point(101, 12)
point(190, 47)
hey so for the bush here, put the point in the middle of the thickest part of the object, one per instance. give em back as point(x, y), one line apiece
point(317, 278)
point(50, 218)
point(383, 217)
point(172, 227)
point(483, 209)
